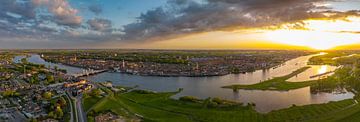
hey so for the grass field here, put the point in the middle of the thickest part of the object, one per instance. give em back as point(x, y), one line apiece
point(89, 101)
point(278, 83)
point(160, 107)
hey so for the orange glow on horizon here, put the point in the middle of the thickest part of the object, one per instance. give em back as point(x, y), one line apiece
point(320, 34)
point(316, 34)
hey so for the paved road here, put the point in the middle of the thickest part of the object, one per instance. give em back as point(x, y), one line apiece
point(71, 107)
point(81, 113)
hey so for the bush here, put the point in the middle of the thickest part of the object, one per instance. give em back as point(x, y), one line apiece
point(10, 93)
point(47, 95)
point(143, 92)
point(189, 99)
point(95, 92)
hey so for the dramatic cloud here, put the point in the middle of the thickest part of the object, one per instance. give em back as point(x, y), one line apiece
point(96, 9)
point(51, 21)
point(187, 16)
point(64, 14)
point(72, 22)
point(100, 24)
point(25, 9)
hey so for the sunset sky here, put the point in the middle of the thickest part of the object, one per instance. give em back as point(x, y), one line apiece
point(179, 24)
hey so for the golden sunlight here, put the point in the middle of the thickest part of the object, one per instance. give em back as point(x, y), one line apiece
point(322, 69)
point(320, 34)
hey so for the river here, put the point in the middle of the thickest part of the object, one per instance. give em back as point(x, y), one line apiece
point(204, 87)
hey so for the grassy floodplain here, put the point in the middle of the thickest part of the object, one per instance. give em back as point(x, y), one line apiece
point(150, 106)
point(277, 83)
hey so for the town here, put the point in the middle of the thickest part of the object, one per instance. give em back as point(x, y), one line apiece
point(174, 63)
point(33, 92)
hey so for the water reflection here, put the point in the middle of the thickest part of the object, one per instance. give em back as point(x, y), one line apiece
point(315, 70)
point(272, 100)
point(38, 60)
point(322, 69)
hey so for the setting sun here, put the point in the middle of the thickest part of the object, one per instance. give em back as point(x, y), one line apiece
point(314, 39)
point(319, 34)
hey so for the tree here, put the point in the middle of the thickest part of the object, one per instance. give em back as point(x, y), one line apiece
point(32, 80)
point(10, 93)
point(55, 68)
point(50, 79)
point(59, 112)
point(95, 92)
point(62, 101)
point(51, 114)
point(47, 95)
point(24, 61)
point(33, 120)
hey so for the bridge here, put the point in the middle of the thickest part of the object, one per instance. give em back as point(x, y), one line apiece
point(322, 74)
point(88, 72)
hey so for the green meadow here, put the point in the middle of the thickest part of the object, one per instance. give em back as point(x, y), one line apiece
point(277, 83)
point(160, 107)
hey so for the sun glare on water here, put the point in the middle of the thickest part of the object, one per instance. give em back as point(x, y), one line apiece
point(322, 69)
point(320, 34)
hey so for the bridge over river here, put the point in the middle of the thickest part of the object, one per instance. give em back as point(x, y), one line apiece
point(88, 72)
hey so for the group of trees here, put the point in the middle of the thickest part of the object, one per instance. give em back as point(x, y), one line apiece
point(9, 93)
point(346, 77)
point(210, 102)
point(47, 95)
point(95, 92)
point(36, 70)
point(49, 79)
point(56, 108)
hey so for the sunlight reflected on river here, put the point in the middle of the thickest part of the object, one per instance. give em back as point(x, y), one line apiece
point(313, 71)
point(322, 69)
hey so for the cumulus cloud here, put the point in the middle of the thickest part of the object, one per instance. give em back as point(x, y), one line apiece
point(25, 10)
point(64, 14)
point(189, 16)
point(34, 20)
